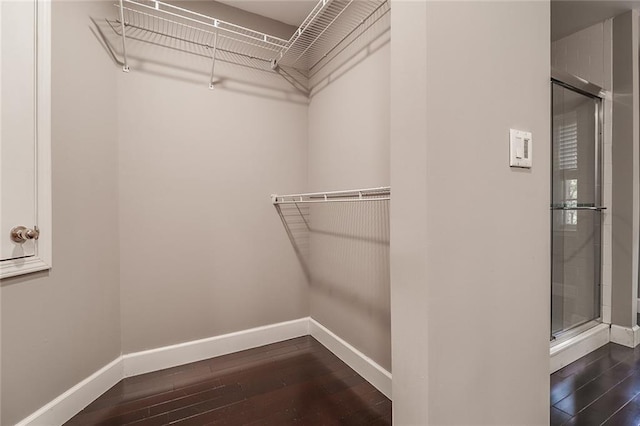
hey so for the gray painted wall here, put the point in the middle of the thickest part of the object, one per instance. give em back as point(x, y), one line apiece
point(203, 251)
point(61, 326)
point(409, 317)
point(625, 168)
point(469, 262)
point(349, 242)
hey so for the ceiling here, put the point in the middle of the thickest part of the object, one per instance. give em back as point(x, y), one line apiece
point(290, 12)
point(569, 16)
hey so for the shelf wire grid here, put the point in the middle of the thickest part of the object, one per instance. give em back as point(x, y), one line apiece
point(377, 23)
point(325, 27)
point(191, 27)
point(313, 44)
point(369, 194)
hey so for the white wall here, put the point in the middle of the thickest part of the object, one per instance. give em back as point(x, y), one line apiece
point(470, 237)
point(349, 243)
point(59, 327)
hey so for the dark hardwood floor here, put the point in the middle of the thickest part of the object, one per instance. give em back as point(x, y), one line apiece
point(293, 382)
point(602, 388)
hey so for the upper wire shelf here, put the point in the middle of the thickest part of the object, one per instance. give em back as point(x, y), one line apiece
point(186, 25)
point(330, 22)
point(327, 25)
point(370, 194)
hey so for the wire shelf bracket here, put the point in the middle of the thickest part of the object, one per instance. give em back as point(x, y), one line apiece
point(213, 57)
point(353, 195)
point(125, 66)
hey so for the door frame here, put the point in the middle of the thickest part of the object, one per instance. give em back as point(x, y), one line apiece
point(42, 260)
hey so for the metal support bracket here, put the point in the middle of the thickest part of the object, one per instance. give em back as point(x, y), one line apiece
point(125, 67)
point(213, 57)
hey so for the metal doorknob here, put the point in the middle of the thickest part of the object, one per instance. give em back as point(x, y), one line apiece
point(20, 234)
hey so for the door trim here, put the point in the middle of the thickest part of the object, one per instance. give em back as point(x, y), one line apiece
point(43, 256)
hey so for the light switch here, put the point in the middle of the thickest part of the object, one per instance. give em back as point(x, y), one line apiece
point(520, 148)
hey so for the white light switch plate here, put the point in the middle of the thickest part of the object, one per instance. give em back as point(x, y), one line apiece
point(520, 148)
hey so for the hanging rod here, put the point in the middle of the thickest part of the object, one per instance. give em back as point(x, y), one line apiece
point(370, 194)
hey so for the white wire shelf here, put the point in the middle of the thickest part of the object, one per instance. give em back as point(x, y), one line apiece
point(370, 194)
point(179, 24)
point(186, 25)
point(328, 24)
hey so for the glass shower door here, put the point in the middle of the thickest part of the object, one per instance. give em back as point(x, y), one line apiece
point(576, 214)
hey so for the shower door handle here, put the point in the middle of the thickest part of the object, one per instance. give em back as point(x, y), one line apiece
point(593, 208)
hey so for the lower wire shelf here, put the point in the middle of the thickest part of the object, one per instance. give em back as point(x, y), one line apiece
point(353, 195)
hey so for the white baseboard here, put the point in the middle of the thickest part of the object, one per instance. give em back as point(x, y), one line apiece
point(626, 336)
point(197, 350)
point(71, 402)
point(362, 364)
point(565, 353)
point(78, 397)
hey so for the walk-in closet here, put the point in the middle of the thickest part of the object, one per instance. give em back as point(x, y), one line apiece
point(271, 211)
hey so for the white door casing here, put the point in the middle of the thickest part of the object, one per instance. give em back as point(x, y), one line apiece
point(17, 123)
point(25, 134)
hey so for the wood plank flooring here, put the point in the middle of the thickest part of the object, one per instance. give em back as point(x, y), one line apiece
point(601, 388)
point(297, 381)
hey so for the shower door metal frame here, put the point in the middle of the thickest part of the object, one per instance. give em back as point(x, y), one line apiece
point(595, 92)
